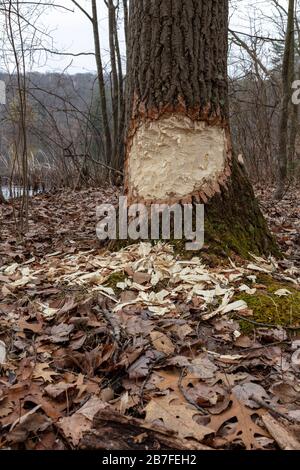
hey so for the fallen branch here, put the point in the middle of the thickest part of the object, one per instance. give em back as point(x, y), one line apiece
point(113, 431)
point(285, 439)
point(116, 331)
point(272, 409)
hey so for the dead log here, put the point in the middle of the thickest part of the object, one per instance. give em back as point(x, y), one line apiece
point(112, 431)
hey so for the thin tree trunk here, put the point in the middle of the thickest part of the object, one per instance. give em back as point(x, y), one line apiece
point(294, 115)
point(287, 78)
point(114, 79)
point(101, 83)
point(126, 21)
point(120, 142)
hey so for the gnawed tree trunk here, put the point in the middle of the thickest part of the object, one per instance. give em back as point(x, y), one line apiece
point(178, 138)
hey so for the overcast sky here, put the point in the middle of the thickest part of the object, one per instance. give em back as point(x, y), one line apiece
point(71, 31)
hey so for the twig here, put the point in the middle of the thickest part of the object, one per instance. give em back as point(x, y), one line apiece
point(23, 418)
point(256, 323)
point(271, 408)
point(269, 345)
point(113, 323)
point(266, 325)
point(188, 399)
point(147, 378)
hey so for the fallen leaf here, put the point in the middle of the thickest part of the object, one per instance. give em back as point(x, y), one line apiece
point(282, 293)
point(34, 327)
point(162, 343)
point(30, 423)
point(60, 333)
point(176, 416)
point(169, 380)
point(6, 407)
point(42, 370)
point(141, 278)
point(243, 341)
point(140, 368)
point(80, 422)
point(60, 390)
point(245, 391)
point(286, 392)
point(295, 414)
point(202, 367)
point(244, 430)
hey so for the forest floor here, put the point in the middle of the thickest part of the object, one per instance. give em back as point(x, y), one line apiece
point(139, 349)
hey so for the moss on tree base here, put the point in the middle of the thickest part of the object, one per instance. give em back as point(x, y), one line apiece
point(234, 222)
point(234, 225)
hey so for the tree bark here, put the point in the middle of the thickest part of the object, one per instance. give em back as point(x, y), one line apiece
point(287, 78)
point(114, 79)
point(126, 25)
point(121, 103)
point(178, 141)
point(101, 84)
point(293, 127)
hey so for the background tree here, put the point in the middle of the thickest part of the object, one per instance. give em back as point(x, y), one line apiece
point(67, 139)
point(112, 122)
point(287, 79)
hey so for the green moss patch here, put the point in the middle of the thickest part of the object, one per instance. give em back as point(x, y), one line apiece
point(269, 308)
point(114, 279)
point(234, 223)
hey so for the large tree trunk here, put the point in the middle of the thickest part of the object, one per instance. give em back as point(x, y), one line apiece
point(178, 137)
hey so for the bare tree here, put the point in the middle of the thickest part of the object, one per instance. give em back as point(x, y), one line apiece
point(287, 79)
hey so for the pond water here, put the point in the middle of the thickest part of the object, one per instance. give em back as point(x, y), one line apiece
point(14, 191)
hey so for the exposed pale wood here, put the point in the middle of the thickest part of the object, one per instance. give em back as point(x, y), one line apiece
point(285, 439)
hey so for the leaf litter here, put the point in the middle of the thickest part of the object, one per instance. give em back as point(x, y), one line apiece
point(91, 338)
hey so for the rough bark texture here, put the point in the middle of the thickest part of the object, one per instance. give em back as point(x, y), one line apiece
point(234, 222)
point(177, 68)
point(177, 58)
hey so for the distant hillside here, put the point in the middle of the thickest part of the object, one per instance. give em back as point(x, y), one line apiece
point(57, 104)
